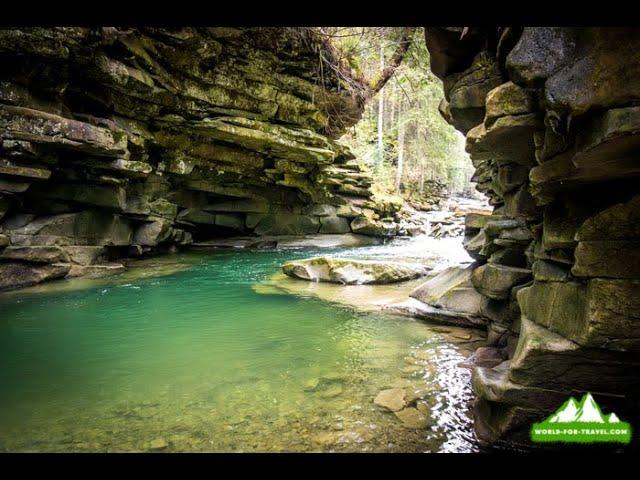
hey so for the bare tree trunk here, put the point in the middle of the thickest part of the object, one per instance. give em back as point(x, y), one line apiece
point(379, 81)
point(393, 103)
point(381, 113)
point(421, 176)
point(401, 133)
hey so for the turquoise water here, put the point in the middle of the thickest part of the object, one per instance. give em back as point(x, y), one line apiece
point(196, 360)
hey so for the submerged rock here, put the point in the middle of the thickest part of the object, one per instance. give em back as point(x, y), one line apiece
point(412, 418)
point(158, 444)
point(350, 272)
point(393, 399)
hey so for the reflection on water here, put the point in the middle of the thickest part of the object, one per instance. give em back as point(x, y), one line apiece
point(185, 356)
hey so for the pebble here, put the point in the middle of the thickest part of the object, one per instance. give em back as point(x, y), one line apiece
point(158, 444)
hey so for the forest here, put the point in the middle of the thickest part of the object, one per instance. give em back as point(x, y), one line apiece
point(402, 137)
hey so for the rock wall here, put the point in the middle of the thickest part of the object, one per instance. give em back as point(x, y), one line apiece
point(118, 142)
point(552, 120)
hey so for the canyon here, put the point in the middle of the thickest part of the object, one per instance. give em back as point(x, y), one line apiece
point(120, 143)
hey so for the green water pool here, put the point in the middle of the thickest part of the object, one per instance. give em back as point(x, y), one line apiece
point(196, 360)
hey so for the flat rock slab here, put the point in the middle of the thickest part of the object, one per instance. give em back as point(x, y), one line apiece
point(39, 254)
point(415, 308)
point(445, 280)
point(393, 399)
point(412, 418)
point(17, 275)
point(352, 272)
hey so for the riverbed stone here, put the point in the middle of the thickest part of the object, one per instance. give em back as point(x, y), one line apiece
point(412, 418)
point(393, 399)
point(158, 444)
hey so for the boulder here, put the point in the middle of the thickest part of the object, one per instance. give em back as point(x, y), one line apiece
point(476, 221)
point(449, 278)
point(107, 197)
point(464, 299)
point(350, 272)
point(152, 233)
point(89, 227)
point(496, 281)
point(367, 226)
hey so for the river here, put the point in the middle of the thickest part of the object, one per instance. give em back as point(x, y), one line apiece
point(195, 352)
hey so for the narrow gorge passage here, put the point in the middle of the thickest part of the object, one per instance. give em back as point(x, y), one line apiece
point(273, 239)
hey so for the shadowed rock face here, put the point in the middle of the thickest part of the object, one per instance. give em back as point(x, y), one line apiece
point(552, 124)
point(148, 138)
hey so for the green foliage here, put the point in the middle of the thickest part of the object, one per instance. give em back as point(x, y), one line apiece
point(433, 149)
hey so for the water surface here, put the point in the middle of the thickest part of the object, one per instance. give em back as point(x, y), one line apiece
point(194, 359)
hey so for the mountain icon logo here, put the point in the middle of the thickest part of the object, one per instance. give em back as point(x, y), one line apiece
point(581, 422)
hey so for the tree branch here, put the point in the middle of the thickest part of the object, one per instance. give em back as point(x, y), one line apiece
point(381, 79)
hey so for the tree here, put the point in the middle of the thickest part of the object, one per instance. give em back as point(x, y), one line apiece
point(402, 134)
point(381, 113)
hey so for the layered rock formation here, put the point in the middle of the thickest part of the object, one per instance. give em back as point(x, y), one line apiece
point(118, 142)
point(352, 272)
point(552, 119)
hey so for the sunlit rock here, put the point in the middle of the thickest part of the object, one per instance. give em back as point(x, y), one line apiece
point(349, 272)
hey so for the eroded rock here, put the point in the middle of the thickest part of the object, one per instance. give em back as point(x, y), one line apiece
point(350, 272)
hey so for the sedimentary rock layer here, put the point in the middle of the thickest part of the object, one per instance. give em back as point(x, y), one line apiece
point(133, 140)
point(553, 129)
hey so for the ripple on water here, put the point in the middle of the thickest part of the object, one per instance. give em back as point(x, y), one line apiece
point(191, 358)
